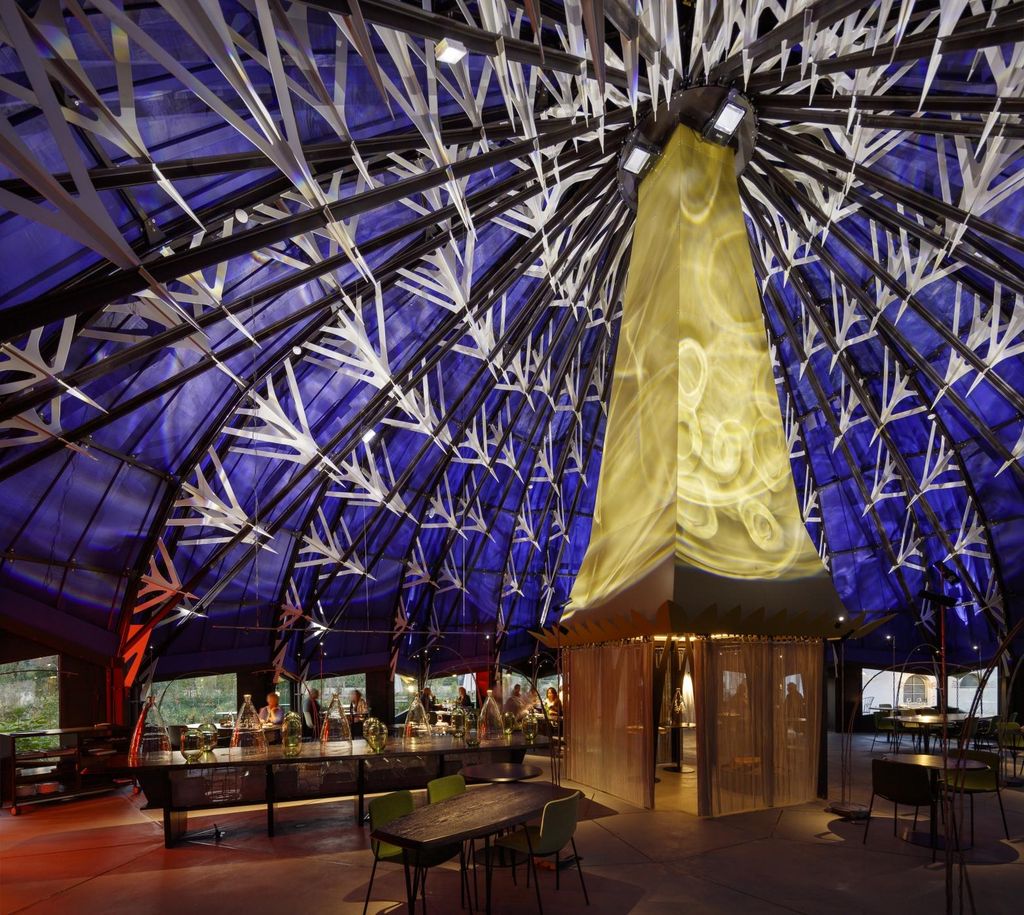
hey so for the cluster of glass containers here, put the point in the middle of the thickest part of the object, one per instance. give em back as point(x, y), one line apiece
point(151, 740)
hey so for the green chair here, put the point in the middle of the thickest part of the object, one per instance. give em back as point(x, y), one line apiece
point(557, 829)
point(979, 781)
point(390, 807)
point(441, 789)
point(1011, 741)
point(902, 784)
point(884, 724)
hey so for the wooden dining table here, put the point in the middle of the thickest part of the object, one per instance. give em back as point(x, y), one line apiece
point(928, 722)
point(477, 814)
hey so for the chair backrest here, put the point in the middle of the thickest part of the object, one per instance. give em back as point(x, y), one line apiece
point(386, 808)
point(448, 786)
point(883, 721)
point(901, 783)
point(1009, 734)
point(558, 823)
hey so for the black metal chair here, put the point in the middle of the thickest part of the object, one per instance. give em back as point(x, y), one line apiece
point(902, 783)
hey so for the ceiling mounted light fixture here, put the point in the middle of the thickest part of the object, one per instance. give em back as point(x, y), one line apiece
point(369, 435)
point(449, 51)
point(723, 124)
point(639, 157)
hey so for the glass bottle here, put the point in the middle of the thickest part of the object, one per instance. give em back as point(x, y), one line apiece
point(508, 724)
point(150, 740)
point(529, 727)
point(491, 725)
point(472, 731)
point(417, 722)
point(375, 733)
point(335, 732)
point(291, 734)
point(248, 739)
point(210, 735)
point(193, 744)
point(459, 723)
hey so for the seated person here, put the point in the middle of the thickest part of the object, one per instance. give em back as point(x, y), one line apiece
point(272, 716)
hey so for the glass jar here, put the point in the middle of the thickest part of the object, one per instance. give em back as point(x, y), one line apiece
point(291, 734)
point(247, 738)
point(150, 740)
point(472, 729)
point(458, 723)
point(335, 732)
point(508, 724)
point(529, 727)
point(417, 721)
point(193, 744)
point(491, 725)
point(208, 731)
point(375, 733)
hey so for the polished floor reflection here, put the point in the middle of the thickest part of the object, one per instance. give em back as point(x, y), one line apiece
point(107, 855)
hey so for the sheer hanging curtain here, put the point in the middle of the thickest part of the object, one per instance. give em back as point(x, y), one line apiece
point(608, 707)
point(758, 707)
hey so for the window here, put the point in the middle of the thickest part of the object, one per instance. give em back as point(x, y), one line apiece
point(191, 700)
point(30, 699)
point(915, 690)
point(343, 684)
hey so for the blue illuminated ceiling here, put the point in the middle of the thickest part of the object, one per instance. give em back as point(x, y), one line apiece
point(308, 336)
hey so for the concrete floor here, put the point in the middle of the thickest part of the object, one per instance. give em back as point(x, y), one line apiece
point(106, 855)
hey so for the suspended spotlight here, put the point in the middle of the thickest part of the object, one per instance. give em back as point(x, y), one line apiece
point(721, 127)
point(639, 156)
point(369, 435)
point(449, 51)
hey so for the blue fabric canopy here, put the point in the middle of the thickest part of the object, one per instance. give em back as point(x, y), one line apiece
point(308, 333)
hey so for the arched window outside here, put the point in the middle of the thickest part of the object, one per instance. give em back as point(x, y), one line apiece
point(915, 690)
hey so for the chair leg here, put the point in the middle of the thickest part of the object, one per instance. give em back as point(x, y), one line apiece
point(369, 888)
point(515, 858)
point(532, 866)
point(972, 820)
point(558, 873)
point(867, 824)
point(579, 869)
point(917, 810)
point(895, 814)
point(999, 797)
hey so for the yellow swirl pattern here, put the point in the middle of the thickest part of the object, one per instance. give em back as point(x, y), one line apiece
point(695, 464)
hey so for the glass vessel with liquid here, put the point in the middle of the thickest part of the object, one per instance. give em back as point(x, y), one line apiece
point(417, 721)
point(335, 730)
point(208, 731)
point(529, 727)
point(151, 741)
point(491, 724)
point(458, 723)
point(291, 734)
point(192, 744)
point(472, 729)
point(375, 733)
point(508, 724)
point(247, 738)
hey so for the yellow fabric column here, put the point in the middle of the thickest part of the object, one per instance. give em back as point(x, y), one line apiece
point(695, 470)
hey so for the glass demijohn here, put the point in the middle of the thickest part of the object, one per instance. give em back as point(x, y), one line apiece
point(491, 725)
point(508, 724)
point(210, 736)
point(193, 744)
point(529, 727)
point(335, 731)
point(375, 733)
point(291, 734)
point(150, 739)
point(472, 731)
point(458, 723)
point(417, 722)
point(248, 739)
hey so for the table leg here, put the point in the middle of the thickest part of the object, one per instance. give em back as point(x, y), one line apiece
point(270, 801)
point(361, 791)
point(487, 873)
point(410, 887)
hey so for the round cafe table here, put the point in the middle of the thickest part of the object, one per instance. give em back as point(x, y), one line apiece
point(500, 772)
point(928, 722)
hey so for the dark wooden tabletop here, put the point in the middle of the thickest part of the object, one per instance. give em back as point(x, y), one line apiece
point(500, 772)
point(934, 761)
point(313, 752)
point(479, 812)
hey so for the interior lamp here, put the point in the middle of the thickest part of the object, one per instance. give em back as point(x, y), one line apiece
point(449, 51)
point(639, 157)
point(723, 124)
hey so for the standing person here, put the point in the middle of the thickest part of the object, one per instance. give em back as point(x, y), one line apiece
point(311, 714)
point(272, 716)
point(463, 700)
